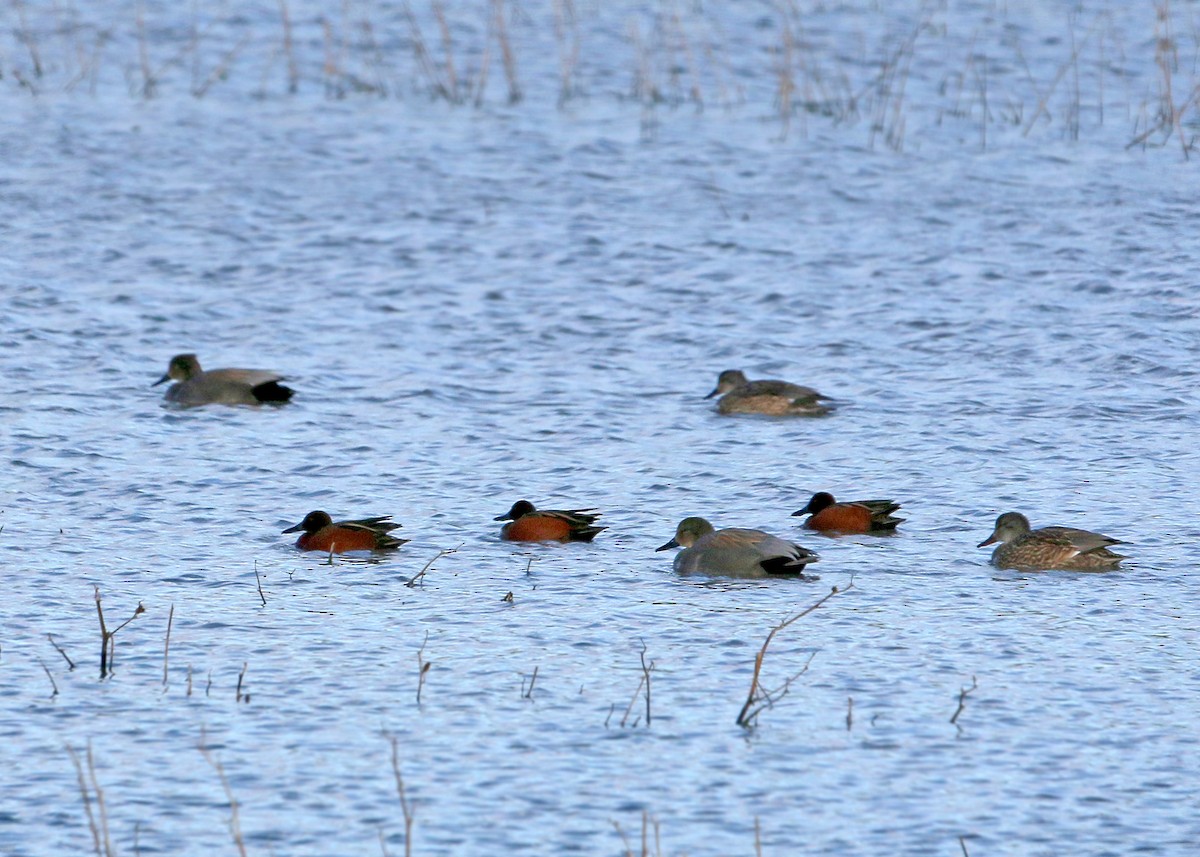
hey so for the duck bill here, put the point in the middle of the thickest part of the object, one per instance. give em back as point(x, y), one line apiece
point(805, 511)
point(295, 529)
point(507, 516)
point(990, 540)
point(671, 544)
point(713, 393)
point(164, 379)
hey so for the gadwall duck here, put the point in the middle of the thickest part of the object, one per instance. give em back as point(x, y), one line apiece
point(736, 552)
point(775, 398)
point(1064, 548)
point(220, 386)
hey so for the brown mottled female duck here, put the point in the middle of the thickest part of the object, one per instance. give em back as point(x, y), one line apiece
point(1063, 548)
point(775, 398)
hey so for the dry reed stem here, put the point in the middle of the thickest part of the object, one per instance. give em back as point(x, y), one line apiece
point(235, 824)
point(53, 683)
point(293, 73)
point(566, 23)
point(85, 794)
point(1044, 100)
point(766, 698)
point(786, 84)
point(439, 15)
point(238, 695)
point(424, 61)
point(28, 37)
point(258, 580)
point(525, 693)
point(101, 806)
point(422, 667)
point(405, 807)
point(506, 53)
point(962, 699)
point(167, 644)
point(70, 663)
point(148, 81)
point(221, 70)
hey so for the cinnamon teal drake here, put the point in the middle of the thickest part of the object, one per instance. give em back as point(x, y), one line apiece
point(220, 386)
point(1064, 548)
point(736, 552)
point(859, 516)
point(529, 524)
point(364, 534)
point(775, 398)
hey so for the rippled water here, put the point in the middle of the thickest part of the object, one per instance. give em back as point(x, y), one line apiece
point(481, 304)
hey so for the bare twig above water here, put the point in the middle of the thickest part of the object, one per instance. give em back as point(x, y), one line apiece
point(59, 649)
point(107, 644)
point(759, 697)
point(643, 683)
point(962, 699)
point(421, 574)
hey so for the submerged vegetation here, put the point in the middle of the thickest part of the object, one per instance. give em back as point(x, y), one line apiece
point(885, 68)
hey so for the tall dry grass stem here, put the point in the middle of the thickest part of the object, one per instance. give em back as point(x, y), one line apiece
point(27, 35)
point(508, 59)
point(97, 820)
point(289, 49)
point(235, 823)
point(566, 34)
point(405, 806)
